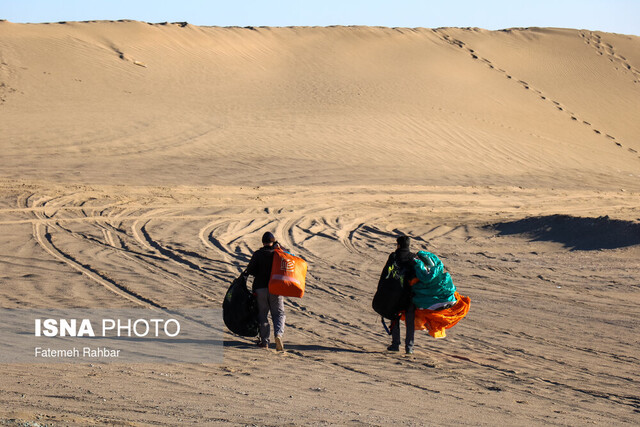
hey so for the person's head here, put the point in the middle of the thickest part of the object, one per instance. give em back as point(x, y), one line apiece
point(403, 242)
point(268, 239)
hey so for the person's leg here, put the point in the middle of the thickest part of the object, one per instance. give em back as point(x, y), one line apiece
point(411, 327)
point(262, 298)
point(276, 303)
point(395, 335)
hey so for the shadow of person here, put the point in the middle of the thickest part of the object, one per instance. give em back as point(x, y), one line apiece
point(297, 347)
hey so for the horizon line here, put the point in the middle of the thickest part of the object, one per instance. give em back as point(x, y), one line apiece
point(253, 27)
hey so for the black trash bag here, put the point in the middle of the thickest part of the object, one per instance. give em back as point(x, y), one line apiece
point(240, 310)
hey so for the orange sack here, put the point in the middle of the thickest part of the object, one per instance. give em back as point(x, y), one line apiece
point(436, 321)
point(288, 273)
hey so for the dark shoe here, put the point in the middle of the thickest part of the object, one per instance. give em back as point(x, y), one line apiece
point(263, 344)
point(409, 351)
point(393, 347)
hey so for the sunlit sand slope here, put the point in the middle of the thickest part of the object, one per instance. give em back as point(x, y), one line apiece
point(129, 102)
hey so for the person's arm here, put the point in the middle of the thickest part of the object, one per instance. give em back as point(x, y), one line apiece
point(253, 266)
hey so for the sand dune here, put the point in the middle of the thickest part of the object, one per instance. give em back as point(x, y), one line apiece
point(142, 162)
point(311, 98)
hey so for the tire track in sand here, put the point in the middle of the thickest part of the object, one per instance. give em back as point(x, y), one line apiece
point(219, 234)
point(137, 259)
point(44, 238)
point(169, 254)
point(44, 210)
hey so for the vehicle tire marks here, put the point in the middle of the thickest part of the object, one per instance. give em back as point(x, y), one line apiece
point(286, 230)
point(137, 234)
point(170, 254)
point(45, 240)
point(119, 248)
point(210, 236)
point(348, 233)
point(141, 259)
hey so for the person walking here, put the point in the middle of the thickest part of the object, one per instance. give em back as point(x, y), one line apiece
point(260, 268)
point(404, 259)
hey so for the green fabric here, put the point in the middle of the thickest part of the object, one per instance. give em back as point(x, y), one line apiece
point(434, 284)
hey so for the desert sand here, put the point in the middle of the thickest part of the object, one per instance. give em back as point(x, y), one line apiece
point(140, 164)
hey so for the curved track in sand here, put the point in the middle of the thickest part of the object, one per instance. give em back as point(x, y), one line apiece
point(154, 251)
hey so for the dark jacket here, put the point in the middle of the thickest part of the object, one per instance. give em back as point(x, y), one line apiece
point(260, 267)
point(404, 259)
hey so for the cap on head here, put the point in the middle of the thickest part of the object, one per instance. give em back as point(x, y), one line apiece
point(268, 237)
point(404, 242)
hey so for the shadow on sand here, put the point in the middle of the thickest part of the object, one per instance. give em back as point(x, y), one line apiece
point(575, 233)
point(294, 347)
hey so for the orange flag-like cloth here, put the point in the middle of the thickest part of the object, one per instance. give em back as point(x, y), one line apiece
point(436, 321)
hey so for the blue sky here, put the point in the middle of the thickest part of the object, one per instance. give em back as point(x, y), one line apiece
point(619, 16)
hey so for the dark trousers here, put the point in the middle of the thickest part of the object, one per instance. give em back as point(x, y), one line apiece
point(410, 326)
